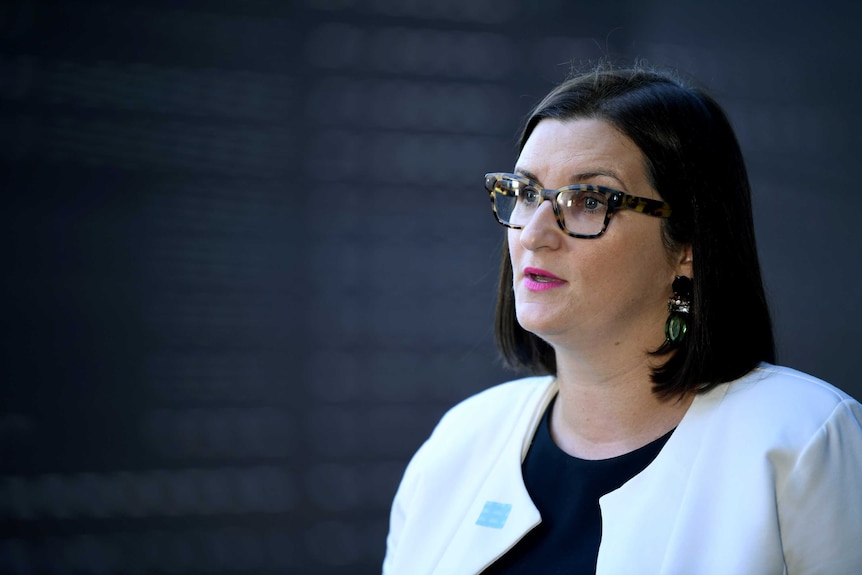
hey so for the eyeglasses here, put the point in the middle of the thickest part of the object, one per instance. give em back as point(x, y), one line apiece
point(582, 210)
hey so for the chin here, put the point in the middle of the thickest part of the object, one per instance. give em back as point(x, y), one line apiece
point(542, 327)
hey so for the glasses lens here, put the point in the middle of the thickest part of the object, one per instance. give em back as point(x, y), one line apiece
point(584, 210)
point(514, 201)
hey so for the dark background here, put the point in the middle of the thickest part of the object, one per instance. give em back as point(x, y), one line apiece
point(248, 260)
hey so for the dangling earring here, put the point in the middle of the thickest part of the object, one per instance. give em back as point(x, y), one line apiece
point(679, 306)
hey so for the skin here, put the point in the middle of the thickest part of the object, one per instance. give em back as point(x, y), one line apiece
point(609, 310)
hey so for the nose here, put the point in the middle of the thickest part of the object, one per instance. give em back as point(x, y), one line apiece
point(542, 231)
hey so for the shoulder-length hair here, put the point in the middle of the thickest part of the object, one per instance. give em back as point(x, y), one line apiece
point(694, 162)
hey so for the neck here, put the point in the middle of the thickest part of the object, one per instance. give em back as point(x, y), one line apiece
point(603, 412)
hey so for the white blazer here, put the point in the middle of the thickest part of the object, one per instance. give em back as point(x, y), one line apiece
point(762, 476)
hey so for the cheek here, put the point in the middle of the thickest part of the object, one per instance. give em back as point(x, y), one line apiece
point(635, 263)
point(649, 270)
point(513, 240)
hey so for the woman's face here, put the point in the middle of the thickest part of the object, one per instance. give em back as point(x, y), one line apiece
point(581, 293)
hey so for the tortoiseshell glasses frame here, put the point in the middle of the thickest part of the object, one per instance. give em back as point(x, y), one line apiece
point(581, 210)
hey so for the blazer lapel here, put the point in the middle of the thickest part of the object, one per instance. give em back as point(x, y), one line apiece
point(639, 518)
point(501, 511)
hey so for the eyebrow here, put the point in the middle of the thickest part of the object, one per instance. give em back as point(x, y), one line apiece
point(579, 177)
point(527, 174)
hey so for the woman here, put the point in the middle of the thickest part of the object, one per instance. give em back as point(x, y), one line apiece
point(662, 439)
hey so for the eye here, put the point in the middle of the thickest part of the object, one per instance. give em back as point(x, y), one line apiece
point(592, 204)
point(529, 196)
point(585, 203)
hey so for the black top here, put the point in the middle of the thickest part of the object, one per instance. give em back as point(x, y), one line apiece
point(566, 491)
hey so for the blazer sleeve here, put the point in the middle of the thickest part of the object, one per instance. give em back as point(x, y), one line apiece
point(820, 505)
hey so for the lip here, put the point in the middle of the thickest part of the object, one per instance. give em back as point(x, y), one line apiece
point(537, 279)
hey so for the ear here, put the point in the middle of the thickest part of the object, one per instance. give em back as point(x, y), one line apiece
point(685, 262)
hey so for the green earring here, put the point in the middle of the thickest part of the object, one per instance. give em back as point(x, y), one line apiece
point(679, 306)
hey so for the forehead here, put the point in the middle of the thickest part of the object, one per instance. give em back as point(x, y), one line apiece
point(561, 152)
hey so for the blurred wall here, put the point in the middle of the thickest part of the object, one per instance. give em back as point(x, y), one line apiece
point(248, 260)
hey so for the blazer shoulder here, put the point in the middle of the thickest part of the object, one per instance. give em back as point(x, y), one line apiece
point(775, 393)
point(793, 384)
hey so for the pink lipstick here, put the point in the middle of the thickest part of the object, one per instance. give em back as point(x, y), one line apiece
point(536, 279)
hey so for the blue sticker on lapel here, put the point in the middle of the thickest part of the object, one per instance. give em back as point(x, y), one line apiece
point(494, 515)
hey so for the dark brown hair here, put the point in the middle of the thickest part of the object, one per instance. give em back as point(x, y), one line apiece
point(694, 163)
